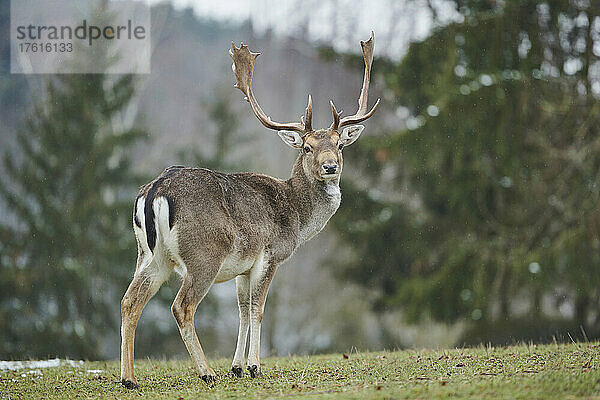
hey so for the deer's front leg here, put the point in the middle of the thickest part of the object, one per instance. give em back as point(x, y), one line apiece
point(260, 280)
point(242, 284)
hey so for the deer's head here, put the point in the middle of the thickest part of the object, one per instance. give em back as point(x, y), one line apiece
point(322, 148)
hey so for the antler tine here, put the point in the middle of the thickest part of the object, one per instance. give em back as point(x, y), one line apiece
point(361, 113)
point(336, 117)
point(307, 119)
point(243, 67)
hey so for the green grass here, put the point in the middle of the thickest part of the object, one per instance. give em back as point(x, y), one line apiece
point(519, 372)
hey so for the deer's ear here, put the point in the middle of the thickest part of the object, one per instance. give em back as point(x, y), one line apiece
point(291, 138)
point(350, 134)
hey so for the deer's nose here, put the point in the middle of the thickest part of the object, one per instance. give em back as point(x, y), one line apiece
point(330, 168)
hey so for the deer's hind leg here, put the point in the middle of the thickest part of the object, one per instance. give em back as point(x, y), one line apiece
point(200, 274)
point(149, 276)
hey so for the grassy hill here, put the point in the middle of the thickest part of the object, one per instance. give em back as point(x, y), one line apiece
point(518, 372)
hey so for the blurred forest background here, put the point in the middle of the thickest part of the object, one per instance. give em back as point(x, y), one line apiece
point(470, 209)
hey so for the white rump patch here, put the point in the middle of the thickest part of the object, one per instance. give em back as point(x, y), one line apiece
point(161, 217)
point(167, 240)
point(140, 233)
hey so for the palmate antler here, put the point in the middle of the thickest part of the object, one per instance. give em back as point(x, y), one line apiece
point(243, 67)
point(361, 114)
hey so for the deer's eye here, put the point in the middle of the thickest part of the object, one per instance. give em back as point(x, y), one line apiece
point(307, 149)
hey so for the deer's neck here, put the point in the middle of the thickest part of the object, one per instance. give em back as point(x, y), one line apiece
point(316, 200)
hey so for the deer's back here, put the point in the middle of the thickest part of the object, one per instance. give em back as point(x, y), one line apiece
point(241, 214)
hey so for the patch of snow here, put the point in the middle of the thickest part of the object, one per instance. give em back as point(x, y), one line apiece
point(35, 372)
point(57, 362)
point(73, 363)
point(95, 371)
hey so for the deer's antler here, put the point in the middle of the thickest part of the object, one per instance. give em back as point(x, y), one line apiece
point(243, 67)
point(361, 114)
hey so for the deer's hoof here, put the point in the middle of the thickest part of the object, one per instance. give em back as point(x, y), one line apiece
point(127, 384)
point(209, 379)
point(237, 372)
point(254, 371)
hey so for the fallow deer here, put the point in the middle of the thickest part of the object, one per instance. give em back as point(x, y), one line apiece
point(212, 227)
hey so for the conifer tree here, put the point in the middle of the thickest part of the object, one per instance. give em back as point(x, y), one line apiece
point(498, 224)
point(66, 246)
